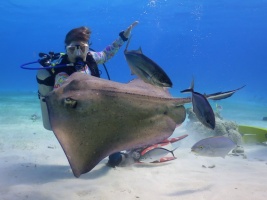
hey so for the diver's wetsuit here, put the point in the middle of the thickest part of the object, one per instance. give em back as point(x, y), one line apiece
point(98, 57)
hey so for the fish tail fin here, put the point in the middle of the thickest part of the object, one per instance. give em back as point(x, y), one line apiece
point(140, 50)
point(191, 89)
point(192, 84)
point(187, 90)
point(173, 151)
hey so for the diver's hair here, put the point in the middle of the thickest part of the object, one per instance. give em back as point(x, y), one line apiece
point(82, 34)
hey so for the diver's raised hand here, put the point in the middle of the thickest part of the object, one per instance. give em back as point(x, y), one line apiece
point(127, 31)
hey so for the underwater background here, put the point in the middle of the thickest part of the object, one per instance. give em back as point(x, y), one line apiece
point(222, 44)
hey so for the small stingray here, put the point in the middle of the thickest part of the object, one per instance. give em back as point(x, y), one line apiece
point(93, 118)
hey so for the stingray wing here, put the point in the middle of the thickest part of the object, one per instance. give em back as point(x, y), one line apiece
point(93, 118)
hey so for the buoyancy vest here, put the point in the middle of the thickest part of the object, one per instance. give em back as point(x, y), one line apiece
point(50, 81)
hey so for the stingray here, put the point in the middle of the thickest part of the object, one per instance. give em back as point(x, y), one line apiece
point(93, 117)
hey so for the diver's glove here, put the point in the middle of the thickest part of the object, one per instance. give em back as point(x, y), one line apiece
point(126, 33)
point(45, 59)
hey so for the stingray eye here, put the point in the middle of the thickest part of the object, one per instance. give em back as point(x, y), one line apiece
point(69, 102)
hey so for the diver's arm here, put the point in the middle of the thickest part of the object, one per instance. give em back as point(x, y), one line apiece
point(108, 52)
point(111, 50)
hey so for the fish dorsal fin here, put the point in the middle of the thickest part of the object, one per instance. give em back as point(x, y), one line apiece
point(151, 89)
point(192, 84)
point(191, 88)
point(140, 50)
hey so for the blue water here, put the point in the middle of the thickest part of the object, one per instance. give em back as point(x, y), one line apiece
point(221, 43)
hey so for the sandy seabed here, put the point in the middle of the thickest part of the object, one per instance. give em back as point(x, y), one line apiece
point(33, 166)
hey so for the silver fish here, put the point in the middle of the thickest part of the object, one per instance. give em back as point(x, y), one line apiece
point(201, 107)
point(145, 68)
point(218, 146)
point(155, 154)
point(222, 95)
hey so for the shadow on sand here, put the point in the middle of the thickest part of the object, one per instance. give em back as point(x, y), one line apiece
point(28, 173)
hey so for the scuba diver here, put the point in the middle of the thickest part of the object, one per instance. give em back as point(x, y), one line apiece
point(78, 58)
point(57, 67)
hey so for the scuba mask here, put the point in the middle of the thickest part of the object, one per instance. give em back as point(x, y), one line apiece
point(77, 50)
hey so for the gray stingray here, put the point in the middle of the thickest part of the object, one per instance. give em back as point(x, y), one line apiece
point(93, 118)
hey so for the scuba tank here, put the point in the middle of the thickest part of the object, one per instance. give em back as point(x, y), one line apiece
point(45, 80)
point(43, 90)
